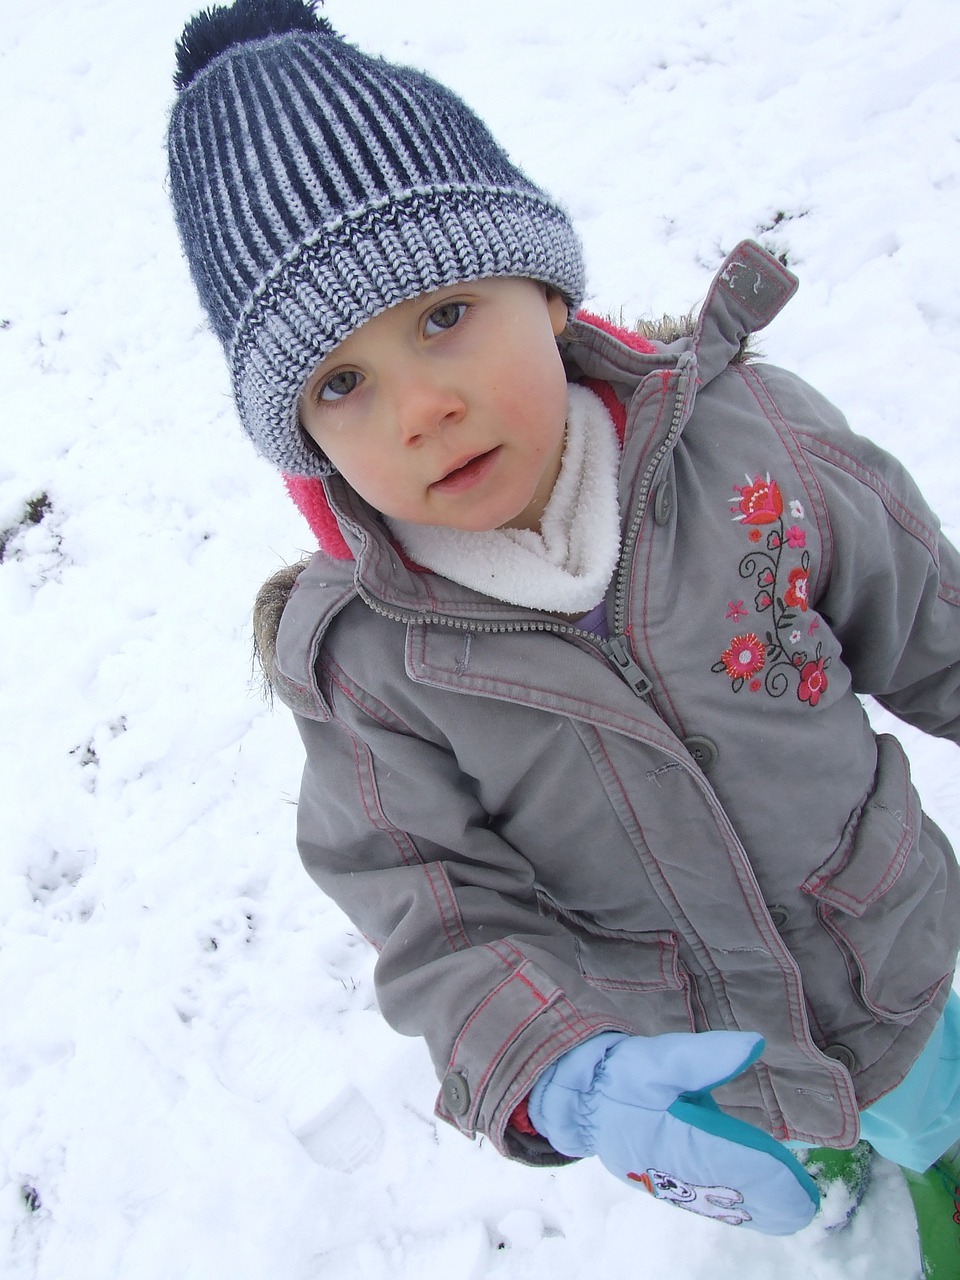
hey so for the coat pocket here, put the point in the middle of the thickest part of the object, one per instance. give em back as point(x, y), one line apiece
point(642, 973)
point(887, 895)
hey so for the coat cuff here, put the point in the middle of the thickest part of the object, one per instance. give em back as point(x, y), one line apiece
point(517, 1031)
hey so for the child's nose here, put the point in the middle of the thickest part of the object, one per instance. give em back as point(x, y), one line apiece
point(425, 407)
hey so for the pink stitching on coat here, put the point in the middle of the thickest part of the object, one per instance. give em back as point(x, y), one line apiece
point(669, 981)
point(876, 892)
point(455, 680)
point(406, 848)
point(903, 515)
point(352, 691)
point(512, 976)
point(435, 869)
point(517, 1027)
point(862, 968)
point(494, 1059)
point(906, 518)
point(654, 392)
point(361, 754)
point(902, 848)
point(402, 845)
point(898, 855)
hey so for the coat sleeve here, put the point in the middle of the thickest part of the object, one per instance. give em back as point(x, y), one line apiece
point(892, 596)
point(391, 829)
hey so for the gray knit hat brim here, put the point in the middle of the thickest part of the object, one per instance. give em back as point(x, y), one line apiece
point(349, 273)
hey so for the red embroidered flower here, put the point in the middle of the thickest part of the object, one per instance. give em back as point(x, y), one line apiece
point(755, 686)
point(813, 682)
point(755, 535)
point(796, 538)
point(736, 610)
point(744, 658)
point(760, 502)
point(796, 594)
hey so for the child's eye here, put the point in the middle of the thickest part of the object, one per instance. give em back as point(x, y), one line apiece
point(338, 385)
point(445, 317)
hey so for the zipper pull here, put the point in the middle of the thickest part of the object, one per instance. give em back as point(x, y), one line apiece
point(617, 652)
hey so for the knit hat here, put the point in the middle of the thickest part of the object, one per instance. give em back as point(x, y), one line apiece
point(314, 186)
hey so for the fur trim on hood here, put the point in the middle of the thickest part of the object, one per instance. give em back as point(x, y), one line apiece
point(267, 609)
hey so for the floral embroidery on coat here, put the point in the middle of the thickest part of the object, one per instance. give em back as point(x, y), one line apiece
point(779, 566)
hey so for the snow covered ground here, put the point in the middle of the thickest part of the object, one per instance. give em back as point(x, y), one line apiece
point(176, 999)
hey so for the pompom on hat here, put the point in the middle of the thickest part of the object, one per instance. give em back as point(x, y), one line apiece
point(314, 186)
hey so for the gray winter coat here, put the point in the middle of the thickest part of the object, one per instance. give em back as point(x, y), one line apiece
point(688, 826)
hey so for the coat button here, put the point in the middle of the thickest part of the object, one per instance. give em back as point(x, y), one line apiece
point(780, 916)
point(703, 751)
point(663, 502)
point(840, 1053)
point(455, 1093)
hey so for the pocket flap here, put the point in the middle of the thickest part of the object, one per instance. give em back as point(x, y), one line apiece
point(641, 962)
point(877, 841)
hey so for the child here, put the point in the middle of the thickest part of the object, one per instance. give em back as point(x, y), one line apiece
point(576, 665)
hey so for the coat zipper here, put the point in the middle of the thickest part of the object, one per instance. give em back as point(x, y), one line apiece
point(616, 648)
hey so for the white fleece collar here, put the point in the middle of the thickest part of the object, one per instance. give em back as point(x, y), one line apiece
point(566, 567)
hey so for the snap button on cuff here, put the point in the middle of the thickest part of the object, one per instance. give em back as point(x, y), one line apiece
point(703, 751)
point(455, 1093)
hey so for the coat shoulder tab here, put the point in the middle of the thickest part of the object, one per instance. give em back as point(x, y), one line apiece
point(756, 283)
point(750, 288)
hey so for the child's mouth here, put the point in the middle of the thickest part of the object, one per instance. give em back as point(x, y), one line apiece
point(467, 474)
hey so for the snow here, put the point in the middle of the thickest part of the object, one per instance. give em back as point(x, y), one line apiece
point(177, 1001)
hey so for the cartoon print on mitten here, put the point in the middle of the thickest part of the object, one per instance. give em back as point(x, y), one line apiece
point(721, 1203)
point(782, 594)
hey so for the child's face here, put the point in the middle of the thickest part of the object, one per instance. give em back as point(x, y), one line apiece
point(450, 408)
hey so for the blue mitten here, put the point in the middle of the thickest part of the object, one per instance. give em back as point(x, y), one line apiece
point(643, 1105)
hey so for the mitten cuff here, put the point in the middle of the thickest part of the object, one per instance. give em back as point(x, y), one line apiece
point(560, 1106)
